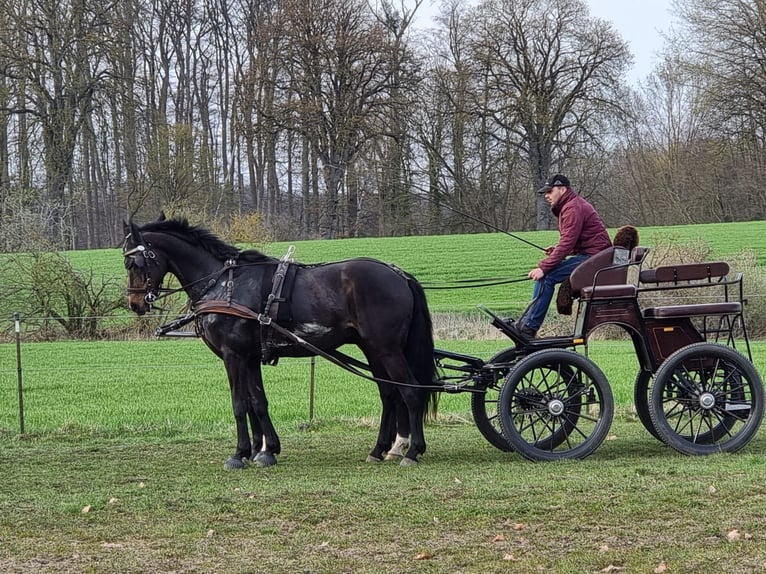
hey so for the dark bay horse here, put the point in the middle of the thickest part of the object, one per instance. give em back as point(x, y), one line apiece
point(365, 302)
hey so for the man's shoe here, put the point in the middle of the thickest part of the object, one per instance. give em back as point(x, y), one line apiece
point(519, 328)
point(527, 331)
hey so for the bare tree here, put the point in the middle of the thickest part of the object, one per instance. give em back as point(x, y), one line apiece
point(555, 73)
point(62, 65)
point(343, 59)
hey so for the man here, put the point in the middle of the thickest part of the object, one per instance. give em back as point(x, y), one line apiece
point(582, 233)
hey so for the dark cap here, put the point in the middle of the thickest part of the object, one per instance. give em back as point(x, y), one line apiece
point(553, 181)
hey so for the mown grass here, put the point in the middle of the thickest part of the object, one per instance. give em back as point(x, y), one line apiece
point(122, 471)
point(146, 504)
point(175, 386)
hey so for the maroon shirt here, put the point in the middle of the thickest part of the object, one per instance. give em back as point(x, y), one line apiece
point(581, 230)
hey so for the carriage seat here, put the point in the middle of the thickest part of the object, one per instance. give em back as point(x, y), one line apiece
point(693, 275)
point(605, 274)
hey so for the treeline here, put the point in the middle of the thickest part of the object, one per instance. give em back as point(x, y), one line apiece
point(334, 118)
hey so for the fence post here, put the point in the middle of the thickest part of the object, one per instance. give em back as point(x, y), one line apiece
point(17, 328)
point(311, 389)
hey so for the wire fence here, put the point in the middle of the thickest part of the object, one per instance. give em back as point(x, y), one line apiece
point(15, 366)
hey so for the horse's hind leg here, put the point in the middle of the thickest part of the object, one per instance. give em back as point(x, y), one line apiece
point(402, 439)
point(415, 399)
point(387, 432)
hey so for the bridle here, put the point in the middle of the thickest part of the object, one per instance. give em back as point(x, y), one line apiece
point(142, 257)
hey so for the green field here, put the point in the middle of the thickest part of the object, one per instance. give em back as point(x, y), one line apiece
point(175, 386)
point(444, 259)
point(121, 471)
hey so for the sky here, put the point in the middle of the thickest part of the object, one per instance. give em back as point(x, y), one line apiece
point(639, 22)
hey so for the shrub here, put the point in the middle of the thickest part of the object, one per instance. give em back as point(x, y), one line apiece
point(49, 289)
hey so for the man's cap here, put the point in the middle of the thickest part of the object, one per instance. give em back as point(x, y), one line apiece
point(553, 181)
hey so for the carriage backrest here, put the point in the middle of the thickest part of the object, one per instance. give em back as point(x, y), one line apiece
point(685, 272)
point(607, 267)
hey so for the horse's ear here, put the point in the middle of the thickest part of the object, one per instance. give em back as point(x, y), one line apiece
point(162, 216)
point(125, 227)
point(135, 234)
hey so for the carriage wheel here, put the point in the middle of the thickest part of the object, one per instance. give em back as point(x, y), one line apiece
point(706, 398)
point(555, 404)
point(484, 405)
point(642, 396)
point(641, 392)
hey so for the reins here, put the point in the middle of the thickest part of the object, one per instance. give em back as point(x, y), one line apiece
point(472, 283)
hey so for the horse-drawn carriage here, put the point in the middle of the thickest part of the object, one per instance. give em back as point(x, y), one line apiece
point(543, 398)
point(694, 390)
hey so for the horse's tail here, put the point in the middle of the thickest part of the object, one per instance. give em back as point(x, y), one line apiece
point(419, 350)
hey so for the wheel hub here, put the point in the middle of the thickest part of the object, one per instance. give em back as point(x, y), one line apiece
point(556, 407)
point(707, 401)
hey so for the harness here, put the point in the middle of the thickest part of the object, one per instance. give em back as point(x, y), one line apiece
point(275, 299)
point(276, 310)
point(276, 306)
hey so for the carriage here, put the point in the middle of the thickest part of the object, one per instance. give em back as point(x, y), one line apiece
point(544, 398)
point(694, 389)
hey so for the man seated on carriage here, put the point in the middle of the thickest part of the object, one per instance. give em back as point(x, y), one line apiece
point(582, 233)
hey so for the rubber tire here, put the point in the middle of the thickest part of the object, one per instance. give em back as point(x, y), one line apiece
point(484, 406)
point(716, 439)
point(541, 365)
point(641, 393)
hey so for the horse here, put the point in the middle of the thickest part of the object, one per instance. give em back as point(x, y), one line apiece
point(233, 294)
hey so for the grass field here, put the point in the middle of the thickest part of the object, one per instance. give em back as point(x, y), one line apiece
point(439, 260)
point(122, 471)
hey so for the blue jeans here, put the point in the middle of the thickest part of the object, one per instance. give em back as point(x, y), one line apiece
point(542, 294)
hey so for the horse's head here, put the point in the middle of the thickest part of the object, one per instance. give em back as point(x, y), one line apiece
point(146, 267)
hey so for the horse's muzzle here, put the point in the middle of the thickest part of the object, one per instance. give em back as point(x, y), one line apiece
point(138, 307)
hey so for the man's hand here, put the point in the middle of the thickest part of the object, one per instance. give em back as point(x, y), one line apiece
point(549, 250)
point(536, 274)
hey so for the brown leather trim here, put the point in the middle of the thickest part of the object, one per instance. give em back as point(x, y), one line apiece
point(225, 308)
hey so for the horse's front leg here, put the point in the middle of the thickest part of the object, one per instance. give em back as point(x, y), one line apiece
point(240, 405)
point(265, 438)
point(248, 400)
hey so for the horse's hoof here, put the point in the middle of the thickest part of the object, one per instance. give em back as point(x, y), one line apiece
point(265, 459)
point(373, 459)
point(408, 462)
point(234, 463)
point(393, 456)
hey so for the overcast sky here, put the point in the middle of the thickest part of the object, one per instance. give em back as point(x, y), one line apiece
point(640, 23)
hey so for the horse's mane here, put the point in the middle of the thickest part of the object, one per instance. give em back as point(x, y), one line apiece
point(204, 238)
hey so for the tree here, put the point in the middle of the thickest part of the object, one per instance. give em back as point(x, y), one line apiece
point(61, 63)
point(343, 64)
point(722, 45)
point(554, 76)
